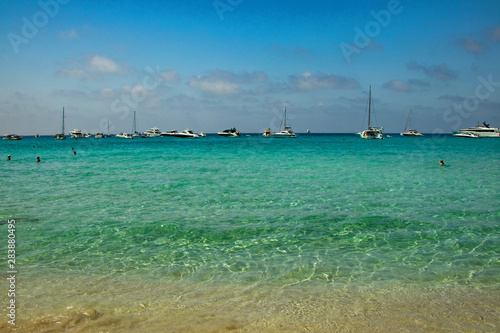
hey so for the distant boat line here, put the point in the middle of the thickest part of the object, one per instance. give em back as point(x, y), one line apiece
point(246, 134)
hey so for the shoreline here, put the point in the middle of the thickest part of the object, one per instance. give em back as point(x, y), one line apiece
point(137, 306)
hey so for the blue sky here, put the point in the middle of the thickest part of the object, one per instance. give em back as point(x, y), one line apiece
point(210, 65)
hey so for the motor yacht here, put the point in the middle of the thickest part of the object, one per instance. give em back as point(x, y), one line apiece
point(482, 130)
point(76, 133)
point(186, 134)
point(231, 133)
point(12, 137)
point(153, 132)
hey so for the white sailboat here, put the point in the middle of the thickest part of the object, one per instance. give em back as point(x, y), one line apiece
point(371, 132)
point(410, 132)
point(286, 133)
point(61, 136)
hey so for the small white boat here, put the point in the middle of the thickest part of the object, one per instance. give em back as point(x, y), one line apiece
point(188, 134)
point(286, 133)
point(371, 132)
point(466, 135)
point(124, 136)
point(410, 132)
point(230, 133)
point(12, 137)
point(483, 131)
point(76, 133)
point(99, 135)
point(267, 132)
point(202, 134)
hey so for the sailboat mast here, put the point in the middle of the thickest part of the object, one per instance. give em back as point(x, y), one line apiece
point(409, 125)
point(285, 117)
point(369, 106)
point(63, 122)
point(133, 125)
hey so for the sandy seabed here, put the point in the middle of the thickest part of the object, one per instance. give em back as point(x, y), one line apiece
point(110, 305)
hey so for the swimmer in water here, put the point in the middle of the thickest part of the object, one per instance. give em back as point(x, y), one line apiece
point(38, 159)
point(441, 162)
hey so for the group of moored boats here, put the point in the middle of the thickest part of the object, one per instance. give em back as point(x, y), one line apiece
point(478, 131)
point(285, 133)
point(377, 132)
point(155, 132)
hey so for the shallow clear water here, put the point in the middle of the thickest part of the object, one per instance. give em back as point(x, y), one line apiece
point(319, 209)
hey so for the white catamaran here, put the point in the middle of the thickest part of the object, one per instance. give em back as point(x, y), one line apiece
point(371, 132)
point(410, 132)
point(286, 133)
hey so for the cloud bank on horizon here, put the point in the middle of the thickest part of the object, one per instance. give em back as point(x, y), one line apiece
point(211, 65)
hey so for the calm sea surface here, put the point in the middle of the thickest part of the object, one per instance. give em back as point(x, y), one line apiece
point(131, 234)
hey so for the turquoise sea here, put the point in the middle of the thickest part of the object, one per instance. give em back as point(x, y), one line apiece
point(322, 233)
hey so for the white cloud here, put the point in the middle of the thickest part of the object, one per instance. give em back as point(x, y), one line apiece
point(495, 34)
point(308, 81)
point(102, 64)
point(218, 87)
point(170, 76)
point(400, 86)
point(397, 85)
point(472, 46)
point(440, 72)
point(74, 73)
point(69, 34)
point(107, 93)
point(221, 82)
point(138, 92)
